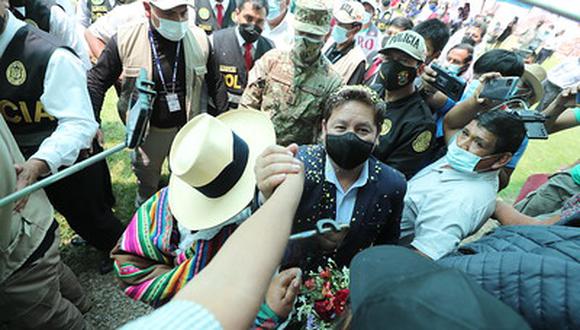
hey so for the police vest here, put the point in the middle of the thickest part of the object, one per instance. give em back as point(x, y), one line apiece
point(22, 70)
point(231, 61)
point(206, 19)
point(99, 8)
point(37, 13)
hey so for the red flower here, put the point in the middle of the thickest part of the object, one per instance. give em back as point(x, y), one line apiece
point(327, 290)
point(340, 299)
point(325, 273)
point(325, 309)
point(310, 284)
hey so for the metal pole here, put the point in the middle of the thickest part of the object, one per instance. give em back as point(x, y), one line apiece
point(64, 173)
point(549, 6)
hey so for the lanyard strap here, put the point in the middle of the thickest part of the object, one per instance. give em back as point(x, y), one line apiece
point(158, 63)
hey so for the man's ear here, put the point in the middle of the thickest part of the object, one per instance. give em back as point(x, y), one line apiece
point(502, 161)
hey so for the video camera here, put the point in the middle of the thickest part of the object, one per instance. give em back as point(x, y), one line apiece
point(533, 120)
point(447, 83)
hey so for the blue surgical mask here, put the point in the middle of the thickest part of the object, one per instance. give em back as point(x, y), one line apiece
point(454, 69)
point(461, 159)
point(367, 18)
point(339, 34)
point(273, 9)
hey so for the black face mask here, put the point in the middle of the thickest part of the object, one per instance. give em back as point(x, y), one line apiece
point(250, 32)
point(468, 40)
point(348, 150)
point(394, 75)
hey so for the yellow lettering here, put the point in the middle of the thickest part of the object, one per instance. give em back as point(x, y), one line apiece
point(25, 113)
point(40, 113)
point(231, 81)
point(7, 105)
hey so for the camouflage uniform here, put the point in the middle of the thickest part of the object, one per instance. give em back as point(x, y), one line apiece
point(294, 97)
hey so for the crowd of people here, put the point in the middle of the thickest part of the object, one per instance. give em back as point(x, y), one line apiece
point(274, 115)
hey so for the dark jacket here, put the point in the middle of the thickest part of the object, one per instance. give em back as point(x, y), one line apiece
point(534, 269)
point(231, 63)
point(375, 220)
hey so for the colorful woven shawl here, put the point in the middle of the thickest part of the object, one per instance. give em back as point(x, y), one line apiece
point(147, 260)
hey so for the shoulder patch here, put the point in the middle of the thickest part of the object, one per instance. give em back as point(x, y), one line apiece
point(387, 125)
point(422, 141)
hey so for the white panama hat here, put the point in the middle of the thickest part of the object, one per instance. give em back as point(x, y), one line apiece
point(212, 163)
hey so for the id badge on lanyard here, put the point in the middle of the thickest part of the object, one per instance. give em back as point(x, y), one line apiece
point(171, 98)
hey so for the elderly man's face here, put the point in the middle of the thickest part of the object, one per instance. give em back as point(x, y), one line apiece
point(475, 33)
point(457, 56)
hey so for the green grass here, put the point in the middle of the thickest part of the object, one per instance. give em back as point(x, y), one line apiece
point(541, 157)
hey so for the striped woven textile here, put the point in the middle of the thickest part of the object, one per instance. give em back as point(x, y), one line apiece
point(148, 262)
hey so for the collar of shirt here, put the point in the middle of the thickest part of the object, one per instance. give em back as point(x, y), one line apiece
point(345, 201)
point(224, 3)
point(12, 26)
point(447, 173)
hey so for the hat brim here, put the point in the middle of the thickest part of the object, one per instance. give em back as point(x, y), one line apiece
point(418, 58)
point(170, 4)
point(378, 265)
point(536, 86)
point(194, 210)
point(309, 28)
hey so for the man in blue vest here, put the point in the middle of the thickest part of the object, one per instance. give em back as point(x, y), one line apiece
point(343, 182)
point(237, 48)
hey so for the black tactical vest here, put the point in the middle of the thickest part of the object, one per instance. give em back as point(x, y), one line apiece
point(230, 59)
point(37, 13)
point(22, 71)
point(98, 8)
point(206, 19)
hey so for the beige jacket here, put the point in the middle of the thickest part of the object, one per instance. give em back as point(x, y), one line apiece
point(135, 53)
point(20, 233)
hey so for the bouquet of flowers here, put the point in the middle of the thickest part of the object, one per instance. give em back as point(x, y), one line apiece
point(323, 297)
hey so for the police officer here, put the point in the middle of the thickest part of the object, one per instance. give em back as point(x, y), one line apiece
point(347, 58)
point(212, 15)
point(44, 100)
point(407, 133)
point(293, 86)
point(237, 48)
point(50, 16)
point(178, 59)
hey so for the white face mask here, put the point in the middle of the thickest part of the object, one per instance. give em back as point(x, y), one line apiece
point(171, 30)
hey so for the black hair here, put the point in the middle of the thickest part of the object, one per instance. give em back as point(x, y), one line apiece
point(503, 61)
point(402, 22)
point(467, 47)
point(358, 93)
point(256, 4)
point(508, 129)
point(435, 31)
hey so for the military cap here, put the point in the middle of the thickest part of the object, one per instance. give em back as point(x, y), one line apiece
point(312, 16)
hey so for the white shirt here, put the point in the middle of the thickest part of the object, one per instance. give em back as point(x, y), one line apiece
point(443, 206)
point(282, 35)
point(64, 28)
point(106, 26)
point(177, 315)
point(345, 200)
point(225, 4)
point(66, 98)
